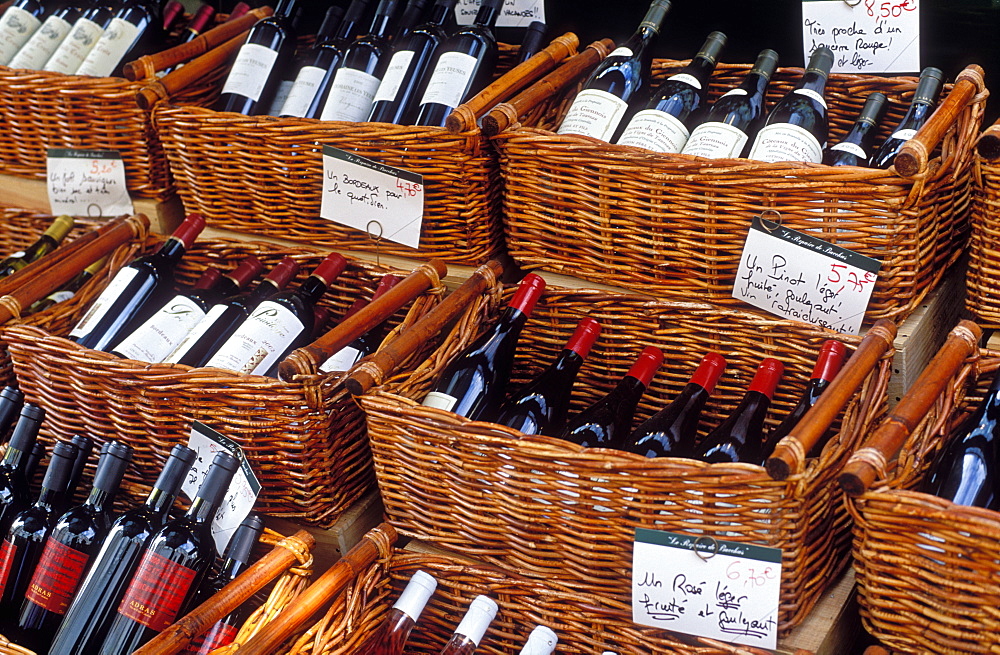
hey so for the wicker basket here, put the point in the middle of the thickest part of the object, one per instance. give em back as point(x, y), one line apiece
point(676, 224)
point(983, 280)
point(304, 438)
point(526, 502)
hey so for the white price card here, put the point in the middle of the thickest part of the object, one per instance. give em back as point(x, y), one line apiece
point(384, 201)
point(706, 587)
point(243, 490)
point(795, 275)
point(87, 183)
point(866, 36)
point(515, 13)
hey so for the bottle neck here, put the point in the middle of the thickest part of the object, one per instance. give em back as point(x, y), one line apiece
point(264, 289)
point(380, 26)
point(700, 68)
point(173, 250)
point(755, 83)
point(50, 498)
point(285, 9)
point(439, 14)
point(312, 289)
point(814, 81)
point(14, 459)
point(918, 112)
point(230, 569)
point(159, 501)
point(487, 16)
point(201, 511)
point(99, 499)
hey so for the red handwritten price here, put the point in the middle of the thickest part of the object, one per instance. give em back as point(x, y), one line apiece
point(103, 167)
point(409, 188)
point(890, 9)
point(750, 573)
point(851, 281)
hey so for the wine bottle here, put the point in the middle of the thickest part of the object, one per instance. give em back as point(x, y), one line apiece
point(69, 289)
point(199, 23)
point(96, 602)
point(740, 437)
point(222, 319)
point(462, 66)
point(136, 290)
point(176, 560)
point(828, 363)
point(268, 50)
point(24, 540)
point(238, 10)
point(82, 38)
point(356, 81)
point(15, 493)
point(671, 432)
point(541, 641)
point(18, 23)
point(474, 624)
point(856, 147)
point(34, 460)
point(409, 69)
point(796, 128)
point(475, 382)
point(172, 12)
point(367, 343)
point(164, 330)
point(735, 118)
point(395, 629)
point(598, 109)
point(920, 111)
point(542, 405)
point(45, 244)
point(136, 29)
point(11, 402)
point(76, 538)
point(37, 49)
point(607, 422)
point(534, 38)
point(411, 17)
point(277, 325)
point(84, 446)
point(676, 105)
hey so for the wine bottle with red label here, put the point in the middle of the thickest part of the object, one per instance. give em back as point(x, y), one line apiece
point(855, 149)
point(15, 491)
point(398, 623)
point(367, 343)
point(920, 111)
point(475, 623)
point(135, 29)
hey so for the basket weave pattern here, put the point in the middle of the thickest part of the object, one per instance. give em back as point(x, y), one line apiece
point(562, 512)
point(676, 224)
point(983, 280)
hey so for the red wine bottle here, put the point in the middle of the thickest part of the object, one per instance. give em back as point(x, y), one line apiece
point(172, 12)
point(462, 66)
point(21, 19)
point(856, 147)
point(177, 558)
point(410, 18)
point(672, 431)
point(11, 402)
point(920, 111)
point(740, 437)
point(541, 641)
point(797, 127)
point(735, 118)
point(45, 244)
point(136, 29)
point(76, 538)
point(395, 629)
point(474, 624)
point(84, 446)
point(96, 602)
point(200, 22)
point(136, 291)
point(676, 105)
point(367, 343)
point(828, 363)
point(600, 106)
point(607, 422)
point(15, 491)
point(205, 338)
point(475, 382)
point(82, 38)
point(542, 405)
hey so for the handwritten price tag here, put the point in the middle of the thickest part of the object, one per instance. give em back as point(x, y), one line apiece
point(795, 275)
point(87, 183)
point(706, 587)
point(869, 36)
point(515, 13)
point(384, 201)
point(243, 490)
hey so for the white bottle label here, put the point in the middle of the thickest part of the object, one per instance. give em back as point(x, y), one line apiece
point(655, 130)
point(716, 140)
point(594, 113)
point(16, 27)
point(450, 79)
point(160, 334)
point(260, 340)
point(440, 400)
point(687, 79)
point(42, 44)
point(104, 301)
point(303, 91)
point(195, 333)
point(342, 360)
point(852, 148)
point(786, 142)
point(351, 96)
point(75, 47)
point(250, 71)
point(735, 92)
point(905, 134)
point(394, 76)
point(280, 96)
point(60, 296)
point(620, 52)
point(809, 93)
point(110, 49)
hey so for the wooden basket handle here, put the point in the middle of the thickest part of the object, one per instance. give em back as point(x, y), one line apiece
point(171, 84)
point(871, 461)
point(374, 369)
point(506, 114)
point(988, 144)
point(915, 153)
point(789, 455)
point(285, 554)
point(306, 360)
point(524, 74)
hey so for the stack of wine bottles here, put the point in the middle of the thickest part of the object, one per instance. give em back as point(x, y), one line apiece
point(618, 103)
point(43, 245)
point(474, 385)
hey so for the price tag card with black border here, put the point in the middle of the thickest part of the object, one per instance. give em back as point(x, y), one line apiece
point(797, 276)
point(243, 490)
point(87, 183)
point(386, 202)
point(866, 36)
point(706, 587)
point(515, 13)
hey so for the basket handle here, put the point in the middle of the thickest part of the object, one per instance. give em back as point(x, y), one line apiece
point(465, 115)
point(988, 145)
point(871, 461)
point(506, 114)
point(789, 455)
point(374, 369)
point(283, 556)
point(170, 84)
point(915, 153)
point(306, 360)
